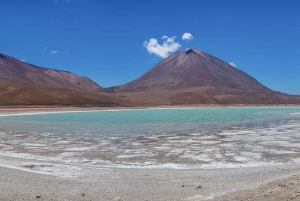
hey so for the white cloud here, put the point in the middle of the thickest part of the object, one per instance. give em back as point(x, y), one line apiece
point(163, 50)
point(232, 64)
point(187, 36)
point(22, 60)
point(54, 52)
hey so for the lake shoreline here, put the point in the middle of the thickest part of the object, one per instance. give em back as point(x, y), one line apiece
point(44, 109)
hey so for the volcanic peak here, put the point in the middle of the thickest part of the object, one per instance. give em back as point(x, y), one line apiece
point(192, 68)
point(2, 56)
point(191, 51)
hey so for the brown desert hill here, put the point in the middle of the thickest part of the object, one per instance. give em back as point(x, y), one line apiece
point(195, 77)
point(16, 70)
point(25, 84)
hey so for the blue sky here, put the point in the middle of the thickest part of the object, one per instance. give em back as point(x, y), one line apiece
point(105, 40)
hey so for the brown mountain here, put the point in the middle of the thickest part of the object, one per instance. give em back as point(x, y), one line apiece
point(16, 70)
point(25, 84)
point(187, 77)
point(195, 77)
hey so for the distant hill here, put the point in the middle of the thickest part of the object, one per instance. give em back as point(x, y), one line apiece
point(25, 84)
point(16, 70)
point(195, 77)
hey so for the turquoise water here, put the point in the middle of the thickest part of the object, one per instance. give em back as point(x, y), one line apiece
point(141, 122)
point(156, 138)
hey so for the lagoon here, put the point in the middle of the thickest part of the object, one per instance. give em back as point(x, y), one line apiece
point(182, 138)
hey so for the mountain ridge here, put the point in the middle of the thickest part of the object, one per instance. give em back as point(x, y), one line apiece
point(11, 68)
point(22, 83)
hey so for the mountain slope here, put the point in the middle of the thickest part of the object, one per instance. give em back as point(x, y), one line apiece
point(14, 93)
point(13, 69)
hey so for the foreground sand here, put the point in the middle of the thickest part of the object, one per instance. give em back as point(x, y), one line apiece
point(38, 182)
point(264, 183)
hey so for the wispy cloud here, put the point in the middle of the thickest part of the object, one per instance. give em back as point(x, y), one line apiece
point(22, 60)
point(232, 64)
point(60, 0)
point(162, 50)
point(54, 52)
point(152, 61)
point(187, 36)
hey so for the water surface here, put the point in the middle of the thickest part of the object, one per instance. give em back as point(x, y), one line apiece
point(156, 138)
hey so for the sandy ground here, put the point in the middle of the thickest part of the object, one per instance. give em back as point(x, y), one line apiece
point(274, 183)
point(27, 109)
point(34, 109)
point(263, 183)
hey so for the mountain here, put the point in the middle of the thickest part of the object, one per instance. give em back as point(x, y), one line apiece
point(16, 70)
point(26, 84)
point(195, 77)
point(193, 68)
point(189, 77)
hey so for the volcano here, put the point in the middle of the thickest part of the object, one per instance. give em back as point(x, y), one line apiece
point(195, 77)
point(193, 68)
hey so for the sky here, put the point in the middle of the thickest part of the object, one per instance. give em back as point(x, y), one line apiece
point(116, 41)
